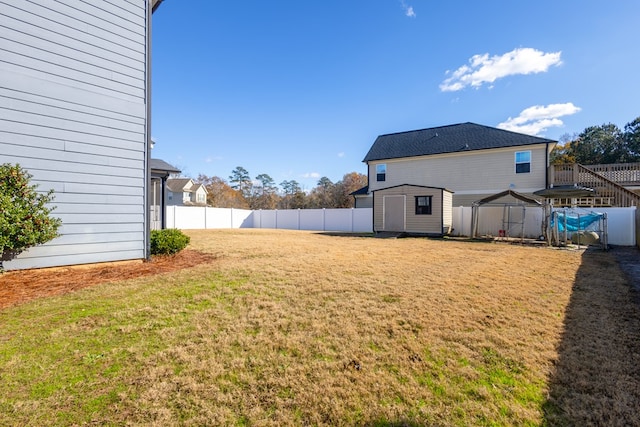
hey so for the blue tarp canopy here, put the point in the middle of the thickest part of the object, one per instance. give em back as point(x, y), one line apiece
point(574, 221)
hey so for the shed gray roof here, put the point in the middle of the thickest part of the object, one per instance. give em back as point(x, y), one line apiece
point(447, 139)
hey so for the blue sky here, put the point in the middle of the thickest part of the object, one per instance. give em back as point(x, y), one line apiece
point(301, 89)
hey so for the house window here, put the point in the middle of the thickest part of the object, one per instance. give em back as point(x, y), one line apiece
point(200, 198)
point(381, 172)
point(523, 161)
point(186, 196)
point(423, 205)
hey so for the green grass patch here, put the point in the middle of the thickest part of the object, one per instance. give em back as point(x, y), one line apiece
point(297, 329)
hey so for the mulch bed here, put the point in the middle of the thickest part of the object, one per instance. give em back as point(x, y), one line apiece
point(17, 287)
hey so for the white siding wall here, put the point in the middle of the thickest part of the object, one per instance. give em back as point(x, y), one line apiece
point(73, 113)
point(471, 175)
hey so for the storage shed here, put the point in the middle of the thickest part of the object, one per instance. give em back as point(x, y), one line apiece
point(413, 209)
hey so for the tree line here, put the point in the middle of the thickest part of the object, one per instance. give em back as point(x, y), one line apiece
point(600, 145)
point(262, 192)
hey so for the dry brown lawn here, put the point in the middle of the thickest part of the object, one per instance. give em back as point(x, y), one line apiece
point(303, 328)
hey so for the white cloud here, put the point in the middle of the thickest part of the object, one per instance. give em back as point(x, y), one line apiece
point(341, 154)
point(314, 175)
point(211, 159)
point(484, 69)
point(537, 119)
point(408, 10)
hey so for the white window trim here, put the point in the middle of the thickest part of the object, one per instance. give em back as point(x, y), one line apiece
point(515, 161)
point(381, 166)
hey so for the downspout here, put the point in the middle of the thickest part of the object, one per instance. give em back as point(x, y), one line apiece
point(163, 203)
point(373, 211)
point(546, 175)
point(147, 149)
point(373, 200)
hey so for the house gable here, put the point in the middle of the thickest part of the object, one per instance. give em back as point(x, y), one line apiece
point(183, 191)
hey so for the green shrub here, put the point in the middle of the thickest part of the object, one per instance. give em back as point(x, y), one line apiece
point(169, 241)
point(24, 215)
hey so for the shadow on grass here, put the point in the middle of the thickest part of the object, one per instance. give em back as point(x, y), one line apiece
point(597, 374)
point(345, 234)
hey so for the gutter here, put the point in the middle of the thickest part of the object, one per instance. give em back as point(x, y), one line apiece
point(147, 175)
point(546, 175)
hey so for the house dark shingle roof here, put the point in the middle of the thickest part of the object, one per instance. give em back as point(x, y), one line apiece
point(360, 191)
point(162, 166)
point(447, 139)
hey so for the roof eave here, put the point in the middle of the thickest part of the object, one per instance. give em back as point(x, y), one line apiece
point(155, 4)
point(469, 150)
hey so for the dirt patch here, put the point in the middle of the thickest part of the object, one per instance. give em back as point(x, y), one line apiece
point(17, 287)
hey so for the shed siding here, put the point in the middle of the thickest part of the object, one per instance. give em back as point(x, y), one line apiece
point(428, 224)
point(474, 174)
point(447, 211)
point(73, 113)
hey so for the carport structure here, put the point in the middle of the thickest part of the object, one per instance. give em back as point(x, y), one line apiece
point(514, 206)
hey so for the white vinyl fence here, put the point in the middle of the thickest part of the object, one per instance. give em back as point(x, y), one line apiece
point(345, 220)
point(620, 221)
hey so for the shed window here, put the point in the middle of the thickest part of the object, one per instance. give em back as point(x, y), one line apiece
point(523, 161)
point(423, 205)
point(381, 172)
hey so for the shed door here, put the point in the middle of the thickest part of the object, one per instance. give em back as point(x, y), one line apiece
point(394, 213)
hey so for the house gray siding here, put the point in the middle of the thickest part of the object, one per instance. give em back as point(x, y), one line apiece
point(364, 201)
point(73, 113)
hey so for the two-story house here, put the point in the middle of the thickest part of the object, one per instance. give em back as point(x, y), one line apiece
point(75, 113)
point(464, 163)
point(184, 192)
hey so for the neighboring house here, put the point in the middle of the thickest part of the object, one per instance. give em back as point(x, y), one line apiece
point(361, 198)
point(184, 192)
point(470, 160)
point(416, 177)
point(160, 172)
point(75, 113)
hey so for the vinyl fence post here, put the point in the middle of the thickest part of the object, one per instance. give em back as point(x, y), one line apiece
point(352, 213)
